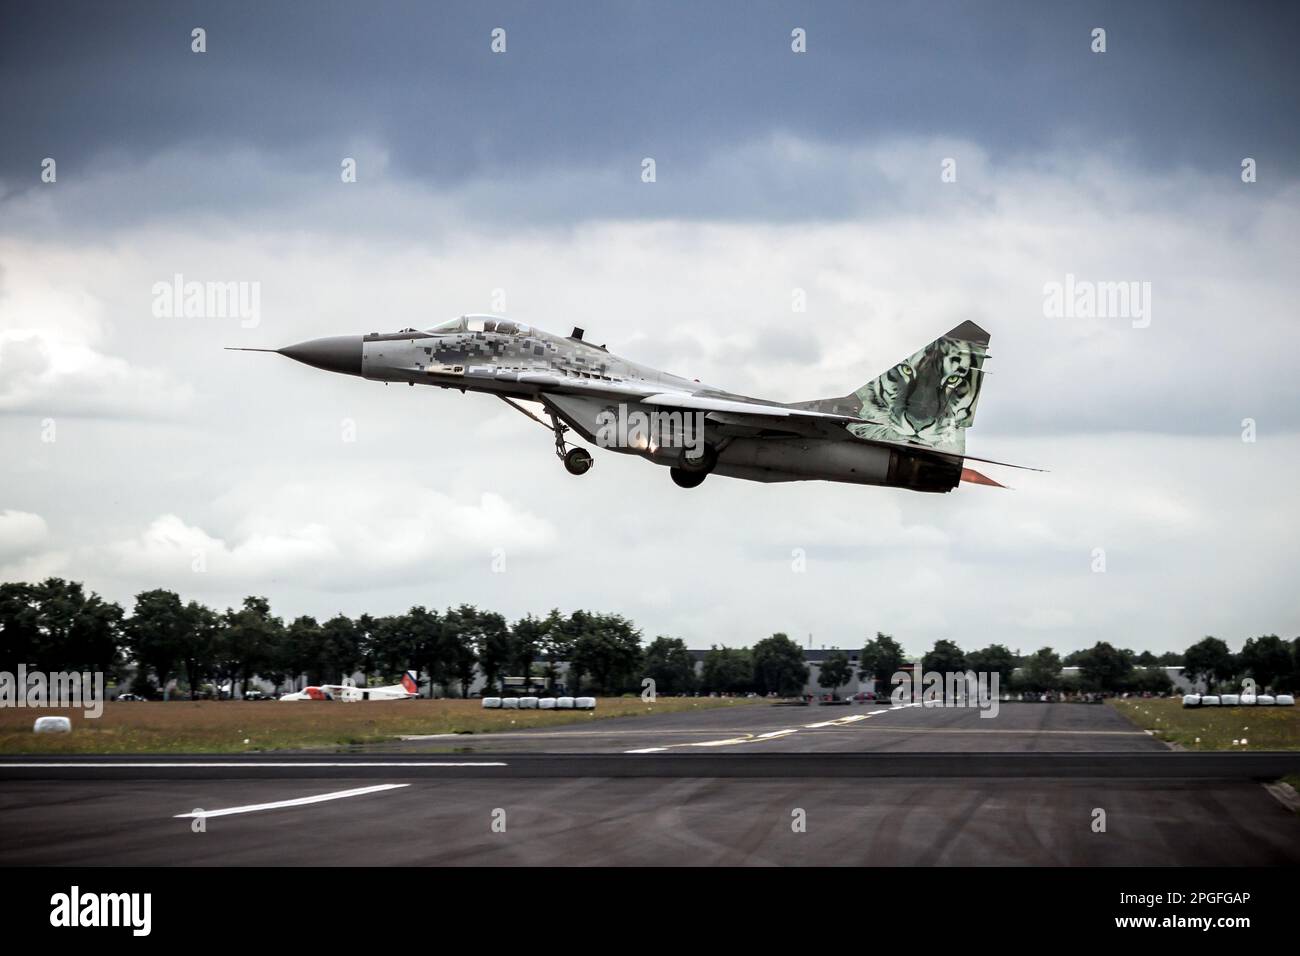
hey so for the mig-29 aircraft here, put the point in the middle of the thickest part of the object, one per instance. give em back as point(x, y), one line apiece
point(904, 429)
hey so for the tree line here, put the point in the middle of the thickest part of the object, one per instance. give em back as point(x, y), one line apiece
point(1270, 661)
point(57, 626)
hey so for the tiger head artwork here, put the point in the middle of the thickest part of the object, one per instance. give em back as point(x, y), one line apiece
point(927, 399)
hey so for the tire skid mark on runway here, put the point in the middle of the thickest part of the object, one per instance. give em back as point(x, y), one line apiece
point(957, 824)
point(294, 802)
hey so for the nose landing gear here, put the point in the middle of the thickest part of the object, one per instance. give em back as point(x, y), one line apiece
point(578, 461)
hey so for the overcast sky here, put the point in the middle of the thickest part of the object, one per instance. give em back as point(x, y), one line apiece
point(134, 448)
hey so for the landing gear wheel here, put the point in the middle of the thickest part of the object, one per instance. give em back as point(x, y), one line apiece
point(703, 463)
point(687, 479)
point(577, 461)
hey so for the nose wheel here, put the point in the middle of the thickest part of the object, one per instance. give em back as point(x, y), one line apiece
point(578, 461)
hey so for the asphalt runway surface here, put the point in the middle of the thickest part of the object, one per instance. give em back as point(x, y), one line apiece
point(1016, 727)
point(911, 786)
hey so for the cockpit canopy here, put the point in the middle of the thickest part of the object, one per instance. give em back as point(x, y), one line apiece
point(480, 323)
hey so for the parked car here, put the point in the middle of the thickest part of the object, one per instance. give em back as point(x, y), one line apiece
point(129, 697)
point(863, 697)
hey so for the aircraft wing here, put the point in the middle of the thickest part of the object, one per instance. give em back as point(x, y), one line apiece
point(709, 403)
point(742, 416)
point(649, 394)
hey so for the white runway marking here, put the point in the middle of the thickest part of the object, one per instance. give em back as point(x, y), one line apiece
point(174, 765)
point(297, 802)
point(721, 743)
point(843, 721)
point(840, 721)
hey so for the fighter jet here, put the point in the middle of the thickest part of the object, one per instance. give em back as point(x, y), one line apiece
point(906, 428)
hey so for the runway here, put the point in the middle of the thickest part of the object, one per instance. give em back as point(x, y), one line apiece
point(1061, 785)
point(1016, 727)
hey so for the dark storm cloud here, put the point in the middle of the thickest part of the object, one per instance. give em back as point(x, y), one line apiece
point(598, 86)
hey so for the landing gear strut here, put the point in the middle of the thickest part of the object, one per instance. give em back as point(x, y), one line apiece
point(577, 461)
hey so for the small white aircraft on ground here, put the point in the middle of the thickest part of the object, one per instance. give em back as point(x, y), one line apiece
point(407, 689)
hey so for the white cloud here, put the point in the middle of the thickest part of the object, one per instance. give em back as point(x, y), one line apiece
point(336, 539)
point(25, 552)
point(51, 346)
point(21, 533)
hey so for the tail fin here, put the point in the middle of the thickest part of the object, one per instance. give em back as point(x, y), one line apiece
point(410, 682)
point(929, 397)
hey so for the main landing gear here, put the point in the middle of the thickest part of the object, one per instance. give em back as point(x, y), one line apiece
point(687, 479)
point(692, 472)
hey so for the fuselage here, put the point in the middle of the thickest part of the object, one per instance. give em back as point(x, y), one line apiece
point(586, 387)
point(490, 354)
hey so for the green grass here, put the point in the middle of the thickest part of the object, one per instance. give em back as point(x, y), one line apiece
point(257, 726)
point(1215, 728)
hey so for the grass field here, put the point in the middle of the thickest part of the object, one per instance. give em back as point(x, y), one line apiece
point(1215, 728)
point(247, 726)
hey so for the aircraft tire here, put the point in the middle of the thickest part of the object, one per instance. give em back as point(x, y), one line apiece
point(687, 479)
point(578, 461)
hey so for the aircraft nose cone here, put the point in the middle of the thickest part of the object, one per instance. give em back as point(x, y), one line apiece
point(338, 353)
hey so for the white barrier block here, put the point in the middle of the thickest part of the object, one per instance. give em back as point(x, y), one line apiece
point(1191, 700)
point(584, 703)
point(1209, 700)
point(491, 702)
point(510, 703)
point(1285, 700)
point(546, 703)
point(527, 703)
point(1248, 700)
point(564, 703)
point(1230, 700)
point(1265, 700)
point(52, 725)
